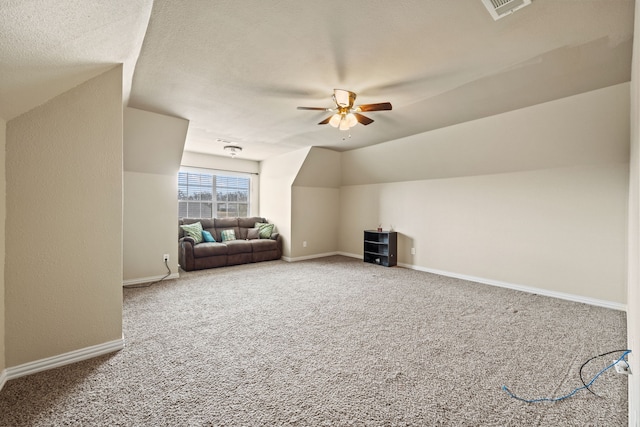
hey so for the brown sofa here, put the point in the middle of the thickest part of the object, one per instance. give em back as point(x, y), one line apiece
point(192, 256)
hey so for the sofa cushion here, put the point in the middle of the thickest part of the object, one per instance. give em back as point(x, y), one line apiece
point(207, 223)
point(194, 231)
point(225, 222)
point(249, 222)
point(228, 235)
point(262, 245)
point(238, 247)
point(207, 237)
point(210, 262)
point(209, 249)
point(242, 258)
point(253, 233)
point(264, 256)
point(265, 230)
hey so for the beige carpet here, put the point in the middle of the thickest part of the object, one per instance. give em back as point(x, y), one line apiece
point(335, 342)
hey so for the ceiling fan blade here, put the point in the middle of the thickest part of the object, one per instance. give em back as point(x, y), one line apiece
point(362, 119)
point(375, 107)
point(325, 121)
point(315, 108)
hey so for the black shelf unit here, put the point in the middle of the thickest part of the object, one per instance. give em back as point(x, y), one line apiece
point(381, 247)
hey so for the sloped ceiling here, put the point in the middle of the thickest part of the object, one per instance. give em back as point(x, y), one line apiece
point(237, 70)
point(48, 47)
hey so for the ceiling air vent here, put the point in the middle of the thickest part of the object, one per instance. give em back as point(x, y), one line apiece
point(501, 8)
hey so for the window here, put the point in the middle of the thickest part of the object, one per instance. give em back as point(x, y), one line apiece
point(211, 195)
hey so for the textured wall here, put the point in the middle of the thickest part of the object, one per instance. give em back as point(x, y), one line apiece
point(3, 213)
point(315, 219)
point(276, 178)
point(199, 160)
point(64, 223)
point(633, 285)
point(558, 229)
point(150, 225)
point(587, 129)
point(321, 168)
point(315, 204)
point(153, 145)
point(559, 223)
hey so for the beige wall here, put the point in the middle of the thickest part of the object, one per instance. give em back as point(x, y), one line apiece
point(315, 205)
point(315, 219)
point(587, 129)
point(633, 283)
point(3, 213)
point(557, 229)
point(321, 168)
point(153, 145)
point(276, 179)
point(150, 226)
point(153, 142)
point(63, 269)
point(206, 161)
point(558, 224)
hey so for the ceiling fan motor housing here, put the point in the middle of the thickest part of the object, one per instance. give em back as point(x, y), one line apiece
point(344, 98)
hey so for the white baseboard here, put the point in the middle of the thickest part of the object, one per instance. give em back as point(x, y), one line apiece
point(149, 279)
point(528, 289)
point(3, 378)
point(306, 257)
point(61, 360)
point(522, 288)
point(350, 255)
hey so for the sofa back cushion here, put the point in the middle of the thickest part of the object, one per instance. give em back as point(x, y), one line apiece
point(249, 222)
point(222, 224)
point(245, 224)
point(225, 222)
point(240, 226)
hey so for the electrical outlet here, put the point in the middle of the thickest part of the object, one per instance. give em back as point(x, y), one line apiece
point(304, 244)
point(622, 367)
point(165, 257)
point(413, 251)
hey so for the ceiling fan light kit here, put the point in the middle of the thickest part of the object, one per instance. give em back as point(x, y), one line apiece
point(343, 121)
point(335, 120)
point(345, 114)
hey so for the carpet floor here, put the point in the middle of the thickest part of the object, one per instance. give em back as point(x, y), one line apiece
point(335, 342)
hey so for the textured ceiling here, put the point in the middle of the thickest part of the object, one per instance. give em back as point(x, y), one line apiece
point(237, 70)
point(47, 47)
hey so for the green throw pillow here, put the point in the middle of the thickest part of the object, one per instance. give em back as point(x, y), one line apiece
point(265, 229)
point(228, 235)
point(194, 231)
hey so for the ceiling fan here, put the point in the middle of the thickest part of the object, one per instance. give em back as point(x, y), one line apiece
point(345, 114)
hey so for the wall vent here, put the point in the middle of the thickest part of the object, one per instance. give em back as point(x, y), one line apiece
point(501, 8)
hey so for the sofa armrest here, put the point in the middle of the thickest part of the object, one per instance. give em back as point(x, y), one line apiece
point(188, 239)
point(278, 238)
point(185, 253)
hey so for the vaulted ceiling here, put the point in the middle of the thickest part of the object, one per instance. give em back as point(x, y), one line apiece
point(237, 70)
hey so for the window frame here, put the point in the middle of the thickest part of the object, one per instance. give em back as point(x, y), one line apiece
point(213, 202)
